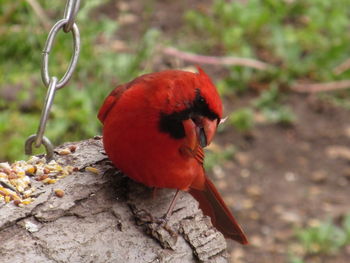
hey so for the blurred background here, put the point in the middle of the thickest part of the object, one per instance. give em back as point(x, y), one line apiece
point(282, 158)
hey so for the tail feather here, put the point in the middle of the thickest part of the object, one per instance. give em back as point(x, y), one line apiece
point(212, 205)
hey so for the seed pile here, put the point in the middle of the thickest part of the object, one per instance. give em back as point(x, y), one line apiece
point(16, 179)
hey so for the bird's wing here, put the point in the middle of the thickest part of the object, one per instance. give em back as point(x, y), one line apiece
point(111, 100)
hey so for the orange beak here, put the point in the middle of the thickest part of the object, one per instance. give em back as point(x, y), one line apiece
point(201, 130)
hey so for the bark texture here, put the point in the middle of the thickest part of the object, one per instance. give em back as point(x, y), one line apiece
point(105, 217)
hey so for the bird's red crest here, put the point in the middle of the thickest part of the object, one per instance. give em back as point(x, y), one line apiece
point(209, 92)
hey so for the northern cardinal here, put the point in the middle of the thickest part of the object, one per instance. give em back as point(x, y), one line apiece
point(155, 128)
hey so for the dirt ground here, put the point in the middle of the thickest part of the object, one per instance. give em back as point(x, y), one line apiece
point(281, 178)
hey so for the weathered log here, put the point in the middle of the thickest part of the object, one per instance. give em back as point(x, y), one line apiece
point(105, 217)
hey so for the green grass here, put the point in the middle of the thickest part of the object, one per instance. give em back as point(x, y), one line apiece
point(326, 238)
point(301, 40)
point(213, 158)
point(269, 103)
point(99, 68)
point(340, 98)
point(323, 240)
point(242, 119)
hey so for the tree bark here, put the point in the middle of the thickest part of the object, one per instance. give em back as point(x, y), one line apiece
point(105, 217)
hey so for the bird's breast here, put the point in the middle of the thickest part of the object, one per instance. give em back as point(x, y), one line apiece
point(147, 155)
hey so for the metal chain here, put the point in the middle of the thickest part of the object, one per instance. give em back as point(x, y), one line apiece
point(67, 24)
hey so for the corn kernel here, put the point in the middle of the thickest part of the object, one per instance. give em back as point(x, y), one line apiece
point(64, 152)
point(26, 201)
point(92, 170)
point(46, 180)
point(52, 181)
point(14, 197)
point(31, 169)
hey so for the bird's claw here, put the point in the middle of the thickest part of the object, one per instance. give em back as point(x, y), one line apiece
point(161, 221)
point(145, 217)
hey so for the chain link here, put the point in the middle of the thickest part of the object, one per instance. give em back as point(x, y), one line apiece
point(70, 13)
point(46, 111)
point(67, 24)
point(46, 52)
point(28, 147)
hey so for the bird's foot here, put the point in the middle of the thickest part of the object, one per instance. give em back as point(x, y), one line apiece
point(157, 227)
point(155, 223)
point(162, 222)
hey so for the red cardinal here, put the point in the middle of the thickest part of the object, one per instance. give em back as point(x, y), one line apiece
point(155, 128)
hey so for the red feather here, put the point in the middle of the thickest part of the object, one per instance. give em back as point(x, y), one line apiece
point(212, 205)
